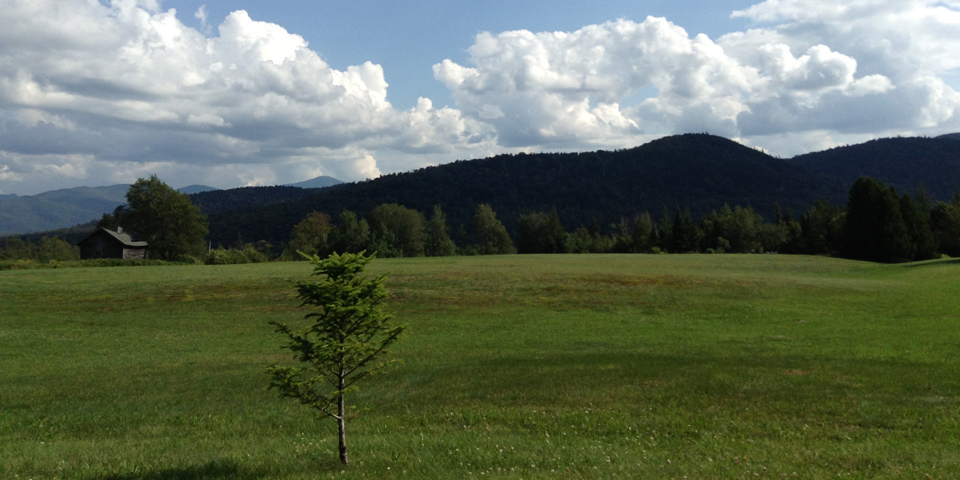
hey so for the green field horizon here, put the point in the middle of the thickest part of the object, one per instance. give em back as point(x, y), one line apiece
point(519, 366)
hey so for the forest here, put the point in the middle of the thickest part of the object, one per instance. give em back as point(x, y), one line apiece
point(877, 224)
point(684, 193)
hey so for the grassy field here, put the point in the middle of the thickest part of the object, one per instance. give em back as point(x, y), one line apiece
point(579, 366)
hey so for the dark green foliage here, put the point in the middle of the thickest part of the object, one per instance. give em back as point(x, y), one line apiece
point(233, 256)
point(541, 233)
point(822, 229)
point(945, 223)
point(47, 249)
point(923, 245)
point(492, 237)
point(685, 236)
point(643, 234)
point(172, 226)
point(350, 235)
point(874, 229)
point(735, 230)
point(309, 236)
point(348, 334)
point(904, 163)
point(439, 243)
point(701, 172)
point(247, 197)
point(396, 231)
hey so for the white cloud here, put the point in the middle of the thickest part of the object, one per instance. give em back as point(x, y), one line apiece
point(91, 91)
point(130, 84)
point(810, 68)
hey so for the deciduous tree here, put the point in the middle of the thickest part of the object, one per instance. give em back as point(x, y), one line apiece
point(172, 226)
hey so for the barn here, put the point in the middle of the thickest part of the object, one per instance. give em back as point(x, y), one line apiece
point(105, 243)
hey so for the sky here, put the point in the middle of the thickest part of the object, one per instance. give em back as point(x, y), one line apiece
point(251, 92)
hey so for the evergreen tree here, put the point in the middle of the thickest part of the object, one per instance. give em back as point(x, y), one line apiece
point(822, 229)
point(922, 242)
point(685, 236)
point(439, 243)
point(874, 228)
point(643, 232)
point(945, 224)
point(348, 335)
point(541, 233)
point(490, 233)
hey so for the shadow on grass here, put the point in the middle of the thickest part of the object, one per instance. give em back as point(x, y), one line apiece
point(933, 263)
point(215, 470)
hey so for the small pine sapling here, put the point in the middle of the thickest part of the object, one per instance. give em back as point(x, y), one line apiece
point(345, 342)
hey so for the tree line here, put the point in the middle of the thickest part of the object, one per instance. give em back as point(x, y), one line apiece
point(877, 224)
point(392, 230)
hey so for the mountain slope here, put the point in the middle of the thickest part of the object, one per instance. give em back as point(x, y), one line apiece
point(698, 171)
point(58, 208)
point(191, 189)
point(318, 182)
point(904, 163)
point(247, 197)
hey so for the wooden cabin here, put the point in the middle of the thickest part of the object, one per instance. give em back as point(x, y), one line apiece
point(105, 243)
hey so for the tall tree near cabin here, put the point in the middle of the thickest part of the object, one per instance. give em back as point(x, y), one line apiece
point(172, 226)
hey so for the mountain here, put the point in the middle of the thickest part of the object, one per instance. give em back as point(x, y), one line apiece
point(5, 196)
point(58, 208)
point(903, 162)
point(190, 189)
point(698, 171)
point(319, 182)
point(246, 197)
point(952, 136)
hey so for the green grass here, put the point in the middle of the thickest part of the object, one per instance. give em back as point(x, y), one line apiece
point(580, 366)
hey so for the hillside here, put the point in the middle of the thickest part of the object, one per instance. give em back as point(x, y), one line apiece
point(247, 197)
point(191, 189)
point(904, 163)
point(58, 208)
point(318, 182)
point(698, 171)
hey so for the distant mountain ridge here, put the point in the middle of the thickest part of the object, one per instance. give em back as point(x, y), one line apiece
point(191, 189)
point(65, 208)
point(695, 171)
point(904, 163)
point(58, 208)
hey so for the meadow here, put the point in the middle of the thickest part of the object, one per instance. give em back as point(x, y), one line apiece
point(521, 366)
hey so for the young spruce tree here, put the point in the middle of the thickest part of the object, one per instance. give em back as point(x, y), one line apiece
point(348, 335)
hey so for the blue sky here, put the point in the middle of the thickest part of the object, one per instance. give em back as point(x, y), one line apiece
point(407, 38)
point(260, 93)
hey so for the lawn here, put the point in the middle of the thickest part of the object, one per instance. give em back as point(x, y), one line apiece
point(562, 366)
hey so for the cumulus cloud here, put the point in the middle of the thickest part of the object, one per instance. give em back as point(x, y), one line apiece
point(92, 91)
point(809, 67)
point(129, 84)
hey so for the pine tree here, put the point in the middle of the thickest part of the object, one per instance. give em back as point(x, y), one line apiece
point(439, 243)
point(874, 228)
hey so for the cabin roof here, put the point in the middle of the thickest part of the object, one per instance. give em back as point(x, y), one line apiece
point(123, 238)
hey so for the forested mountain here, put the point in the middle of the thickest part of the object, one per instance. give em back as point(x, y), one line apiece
point(247, 197)
point(58, 208)
point(318, 182)
point(191, 189)
point(903, 163)
point(696, 171)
